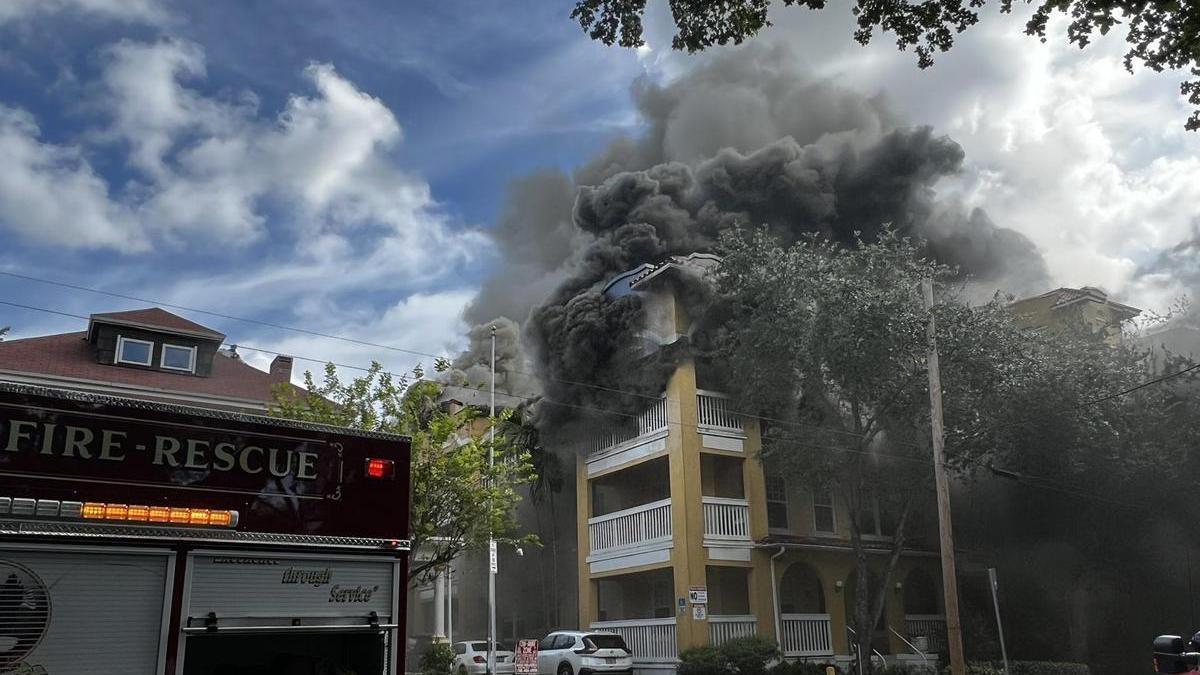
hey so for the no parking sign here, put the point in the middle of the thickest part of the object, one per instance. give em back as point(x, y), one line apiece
point(526, 657)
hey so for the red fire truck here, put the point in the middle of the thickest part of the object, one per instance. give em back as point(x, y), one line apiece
point(145, 538)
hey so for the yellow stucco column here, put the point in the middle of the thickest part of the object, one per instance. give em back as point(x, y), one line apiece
point(687, 511)
point(587, 588)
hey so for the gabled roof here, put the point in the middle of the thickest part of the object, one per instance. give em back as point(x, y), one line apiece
point(1065, 297)
point(68, 358)
point(155, 319)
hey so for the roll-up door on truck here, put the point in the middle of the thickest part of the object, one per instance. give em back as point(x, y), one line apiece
point(83, 611)
point(260, 612)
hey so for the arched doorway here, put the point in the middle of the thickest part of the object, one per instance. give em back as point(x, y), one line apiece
point(805, 625)
point(800, 591)
point(920, 593)
point(879, 637)
point(922, 613)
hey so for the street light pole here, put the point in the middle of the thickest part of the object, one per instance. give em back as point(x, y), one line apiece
point(491, 655)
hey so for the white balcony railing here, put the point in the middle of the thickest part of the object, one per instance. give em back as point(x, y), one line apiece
point(645, 524)
point(726, 518)
point(807, 635)
point(721, 629)
point(714, 412)
point(650, 640)
point(652, 419)
point(929, 626)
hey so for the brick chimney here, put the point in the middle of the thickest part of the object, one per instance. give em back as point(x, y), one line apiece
point(281, 369)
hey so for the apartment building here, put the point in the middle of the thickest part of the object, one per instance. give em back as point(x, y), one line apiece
point(684, 540)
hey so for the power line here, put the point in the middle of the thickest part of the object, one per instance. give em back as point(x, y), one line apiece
point(369, 344)
point(284, 327)
point(802, 442)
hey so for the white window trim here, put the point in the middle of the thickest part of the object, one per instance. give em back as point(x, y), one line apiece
point(786, 505)
point(162, 361)
point(121, 340)
point(832, 508)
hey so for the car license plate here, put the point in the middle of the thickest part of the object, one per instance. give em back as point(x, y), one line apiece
point(610, 659)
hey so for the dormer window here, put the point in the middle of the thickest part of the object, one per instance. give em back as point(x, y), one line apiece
point(176, 357)
point(135, 352)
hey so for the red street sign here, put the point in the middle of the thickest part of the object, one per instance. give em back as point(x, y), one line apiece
point(526, 662)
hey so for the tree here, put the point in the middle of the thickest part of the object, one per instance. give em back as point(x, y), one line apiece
point(4, 332)
point(829, 346)
point(458, 501)
point(1163, 34)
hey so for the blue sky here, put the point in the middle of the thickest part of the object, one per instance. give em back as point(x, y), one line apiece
point(337, 164)
point(116, 98)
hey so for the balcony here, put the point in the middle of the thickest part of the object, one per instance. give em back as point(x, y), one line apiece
point(641, 437)
point(651, 640)
point(719, 426)
point(721, 629)
point(726, 519)
point(630, 537)
point(806, 635)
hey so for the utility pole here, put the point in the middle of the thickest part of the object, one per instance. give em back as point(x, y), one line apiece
point(492, 558)
point(945, 528)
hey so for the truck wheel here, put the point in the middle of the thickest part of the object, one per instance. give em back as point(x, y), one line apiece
point(565, 669)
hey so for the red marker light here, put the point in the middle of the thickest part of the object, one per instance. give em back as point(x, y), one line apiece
point(380, 468)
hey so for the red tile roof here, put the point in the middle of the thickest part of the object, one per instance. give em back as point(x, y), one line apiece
point(69, 355)
point(153, 317)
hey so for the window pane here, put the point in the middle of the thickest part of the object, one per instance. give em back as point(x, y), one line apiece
point(823, 519)
point(135, 352)
point(177, 357)
point(776, 488)
point(777, 515)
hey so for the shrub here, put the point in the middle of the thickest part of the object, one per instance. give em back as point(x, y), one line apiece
point(438, 659)
point(1027, 668)
point(801, 668)
point(702, 661)
point(749, 655)
point(740, 656)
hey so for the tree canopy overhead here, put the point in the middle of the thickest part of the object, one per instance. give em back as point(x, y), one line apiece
point(1163, 34)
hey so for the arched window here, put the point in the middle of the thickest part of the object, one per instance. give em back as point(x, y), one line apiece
point(800, 591)
point(920, 593)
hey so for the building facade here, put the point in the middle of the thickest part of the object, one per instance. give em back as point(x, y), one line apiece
point(684, 540)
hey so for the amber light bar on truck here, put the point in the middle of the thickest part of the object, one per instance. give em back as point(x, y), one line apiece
point(117, 513)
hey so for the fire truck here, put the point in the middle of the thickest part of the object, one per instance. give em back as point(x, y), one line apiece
point(144, 538)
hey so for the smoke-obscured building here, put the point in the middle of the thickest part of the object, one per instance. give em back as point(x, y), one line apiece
point(684, 540)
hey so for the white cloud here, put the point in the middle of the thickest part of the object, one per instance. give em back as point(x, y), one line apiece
point(50, 194)
point(146, 11)
point(1062, 144)
point(422, 322)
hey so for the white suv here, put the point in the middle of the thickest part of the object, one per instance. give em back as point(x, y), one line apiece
point(470, 658)
point(572, 652)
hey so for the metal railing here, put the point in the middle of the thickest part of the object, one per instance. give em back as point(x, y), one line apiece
point(726, 518)
point(929, 626)
point(713, 409)
point(722, 628)
point(652, 419)
point(650, 640)
point(807, 635)
point(918, 652)
point(854, 647)
point(645, 524)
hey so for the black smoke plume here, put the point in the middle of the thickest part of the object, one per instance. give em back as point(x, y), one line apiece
point(747, 140)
